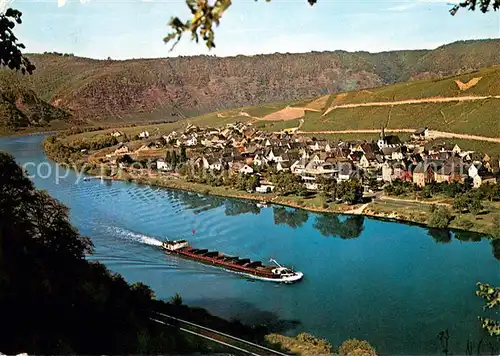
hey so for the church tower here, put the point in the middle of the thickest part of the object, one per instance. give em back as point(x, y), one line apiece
point(381, 143)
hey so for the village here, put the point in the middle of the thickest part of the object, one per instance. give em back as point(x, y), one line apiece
point(242, 149)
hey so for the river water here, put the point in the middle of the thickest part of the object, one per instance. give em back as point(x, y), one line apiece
point(395, 285)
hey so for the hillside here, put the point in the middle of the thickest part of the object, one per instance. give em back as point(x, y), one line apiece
point(20, 107)
point(464, 104)
point(453, 108)
point(98, 91)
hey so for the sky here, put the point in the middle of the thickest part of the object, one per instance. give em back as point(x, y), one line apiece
point(124, 29)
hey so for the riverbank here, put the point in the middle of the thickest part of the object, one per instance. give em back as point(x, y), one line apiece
point(383, 208)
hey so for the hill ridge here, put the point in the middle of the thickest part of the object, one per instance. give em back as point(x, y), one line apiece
point(106, 91)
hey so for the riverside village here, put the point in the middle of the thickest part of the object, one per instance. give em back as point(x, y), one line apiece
point(241, 149)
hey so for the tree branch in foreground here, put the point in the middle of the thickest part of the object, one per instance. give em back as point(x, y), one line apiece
point(10, 49)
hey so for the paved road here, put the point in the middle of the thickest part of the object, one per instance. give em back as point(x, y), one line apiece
point(240, 345)
point(413, 101)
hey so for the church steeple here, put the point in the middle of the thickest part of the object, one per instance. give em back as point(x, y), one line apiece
point(382, 132)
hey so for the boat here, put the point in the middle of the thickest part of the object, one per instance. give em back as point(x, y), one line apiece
point(85, 179)
point(244, 266)
point(262, 204)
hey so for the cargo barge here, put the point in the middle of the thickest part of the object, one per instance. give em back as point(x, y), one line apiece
point(253, 269)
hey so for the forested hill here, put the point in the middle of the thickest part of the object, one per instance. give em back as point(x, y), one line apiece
point(166, 89)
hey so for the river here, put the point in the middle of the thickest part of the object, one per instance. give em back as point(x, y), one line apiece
point(394, 285)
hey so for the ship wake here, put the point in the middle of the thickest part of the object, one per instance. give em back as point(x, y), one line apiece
point(137, 237)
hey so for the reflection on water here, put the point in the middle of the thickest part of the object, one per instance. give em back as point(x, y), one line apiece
point(385, 282)
point(349, 227)
point(293, 218)
point(441, 236)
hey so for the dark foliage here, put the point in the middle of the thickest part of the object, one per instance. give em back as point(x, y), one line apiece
point(330, 225)
point(53, 300)
point(10, 48)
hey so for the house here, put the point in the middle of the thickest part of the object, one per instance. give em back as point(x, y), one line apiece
point(191, 141)
point(456, 149)
point(121, 150)
point(474, 169)
point(493, 165)
point(276, 155)
point(346, 171)
point(483, 178)
point(144, 134)
point(480, 175)
point(282, 166)
point(368, 160)
point(319, 145)
point(265, 188)
point(246, 169)
point(392, 171)
point(450, 171)
point(209, 162)
point(260, 160)
point(299, 166)
point(425, 172)
point(319, 157)
point(394, 153)
point(387, 172)
point(161, 165)
point(421, 134)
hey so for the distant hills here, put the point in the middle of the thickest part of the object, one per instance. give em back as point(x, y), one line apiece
point(464, 104)
point(80, 90)
point(22, 107)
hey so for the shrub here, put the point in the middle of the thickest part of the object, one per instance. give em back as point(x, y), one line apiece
point(441, 218)
point(176, 299)
point(354, 347)
point(465, 224)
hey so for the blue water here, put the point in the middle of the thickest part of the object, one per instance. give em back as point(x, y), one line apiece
point(389, 283)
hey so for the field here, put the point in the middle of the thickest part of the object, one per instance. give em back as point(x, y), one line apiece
point(489, 84)
point(466, 117)
point(275, 126)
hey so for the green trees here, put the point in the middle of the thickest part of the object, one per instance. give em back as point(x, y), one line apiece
point(350, 192)
point(440, 218)
point(286, 183)
point(399, 187)
point(328, 187)
point(468, 202)
point(52, 298)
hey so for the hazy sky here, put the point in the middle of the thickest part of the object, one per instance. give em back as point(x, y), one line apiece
point(135, 28)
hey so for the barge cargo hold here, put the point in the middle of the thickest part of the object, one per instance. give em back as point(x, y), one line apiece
point(253, 269)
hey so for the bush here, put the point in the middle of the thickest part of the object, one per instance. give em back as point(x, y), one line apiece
point(302, 344)
point(441, 218)
point(354, 347)
point(176, 300)
point(465, 224)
